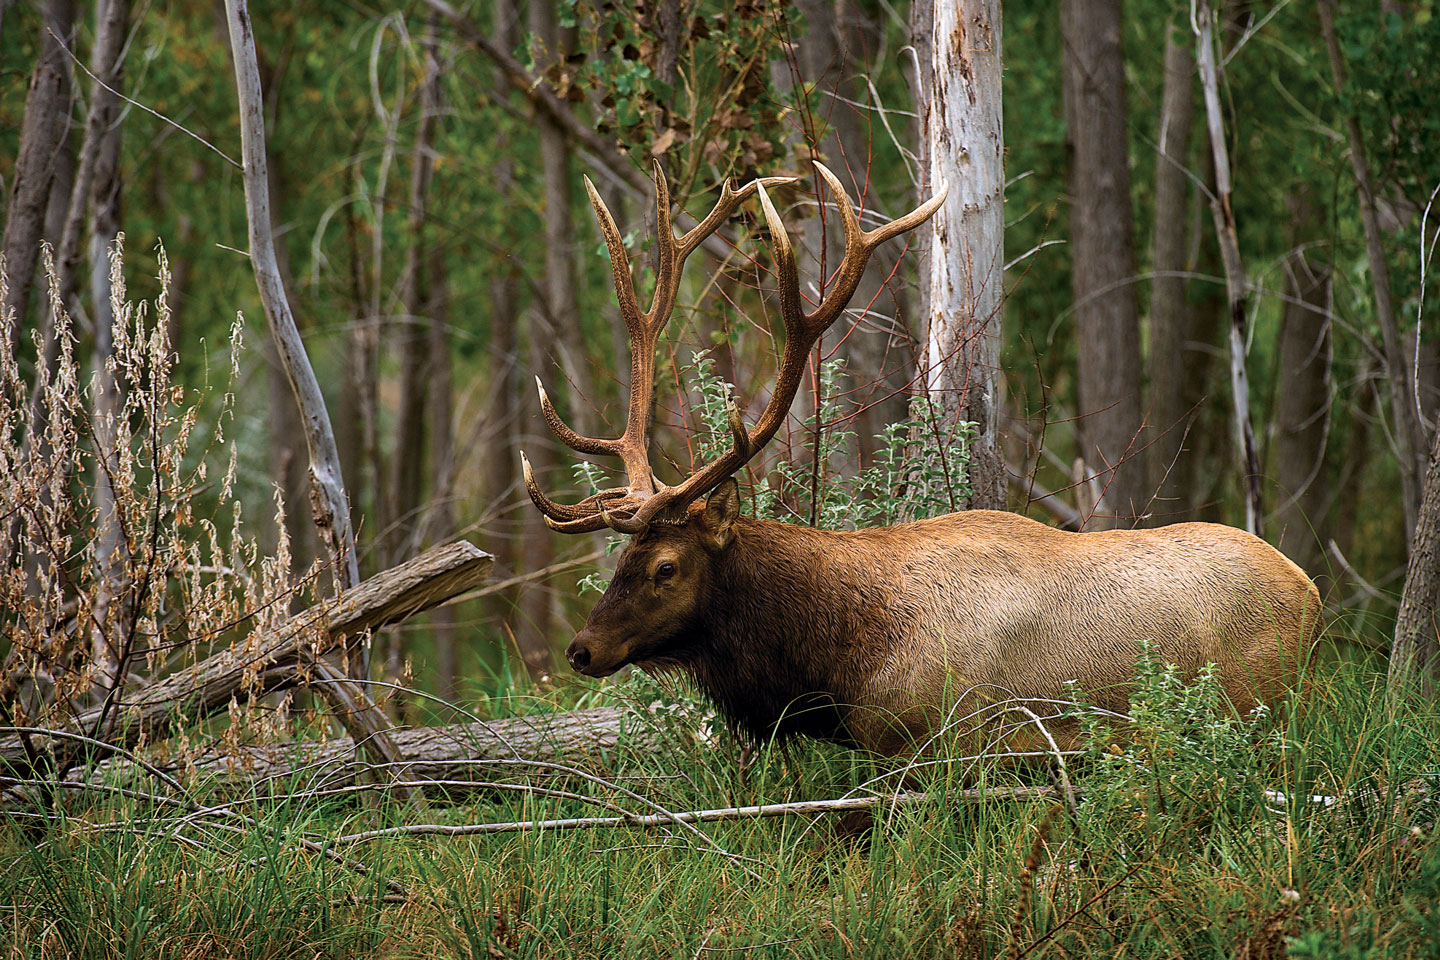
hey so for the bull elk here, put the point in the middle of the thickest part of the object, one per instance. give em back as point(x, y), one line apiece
point(875, 637)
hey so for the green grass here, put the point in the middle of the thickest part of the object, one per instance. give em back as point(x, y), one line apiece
point(1173, 852)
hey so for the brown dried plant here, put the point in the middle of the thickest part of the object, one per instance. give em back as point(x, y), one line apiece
point(121, 556)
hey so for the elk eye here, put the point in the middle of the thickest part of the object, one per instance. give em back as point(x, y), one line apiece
point(665, 571)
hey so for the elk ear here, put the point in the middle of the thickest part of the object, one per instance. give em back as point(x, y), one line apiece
point(717, 520)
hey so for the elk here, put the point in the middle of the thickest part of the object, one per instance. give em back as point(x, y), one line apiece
point(878, 638)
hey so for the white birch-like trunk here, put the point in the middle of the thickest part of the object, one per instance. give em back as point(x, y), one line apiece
point(1223, 212)
point(958, 48)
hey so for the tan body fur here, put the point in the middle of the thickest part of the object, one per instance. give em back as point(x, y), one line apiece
point(878, 637)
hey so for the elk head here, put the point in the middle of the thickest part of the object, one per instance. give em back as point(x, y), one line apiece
point(661, 581)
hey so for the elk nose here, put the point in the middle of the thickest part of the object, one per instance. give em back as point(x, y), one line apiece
point(578, 654)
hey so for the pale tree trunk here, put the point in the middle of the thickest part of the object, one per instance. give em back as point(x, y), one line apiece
point(962, 261)
point(1426, 367)
point(1172, 407)
point(44, 128)
point(1302, 404)
point(1409, 434)
point(1416, 655)
point(1222, 211)
point(1102, 252)
point(328, 498)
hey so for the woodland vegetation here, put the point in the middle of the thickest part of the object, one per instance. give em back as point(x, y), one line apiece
point(280, 626)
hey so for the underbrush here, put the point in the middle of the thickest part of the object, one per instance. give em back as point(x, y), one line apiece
point(1309, 833)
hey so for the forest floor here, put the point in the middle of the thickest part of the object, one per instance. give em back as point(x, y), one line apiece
point(1307, 833)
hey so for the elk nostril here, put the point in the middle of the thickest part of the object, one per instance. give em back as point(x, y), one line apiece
point(579, 656)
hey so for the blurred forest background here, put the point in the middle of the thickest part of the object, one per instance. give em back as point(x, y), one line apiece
point(439, 253)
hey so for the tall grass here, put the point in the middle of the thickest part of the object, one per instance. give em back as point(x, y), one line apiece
point(1197, 835)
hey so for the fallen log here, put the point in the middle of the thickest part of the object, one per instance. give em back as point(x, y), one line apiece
point(455, 754)
point(276, 659)
point(450, 760)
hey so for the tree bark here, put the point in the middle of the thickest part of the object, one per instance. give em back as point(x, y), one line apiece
point(1102, 251)
point(1172, 406)
point(1409, 434)
point(44, 128)
point(1302, 405)
point(1222, 211)
point(962, 261)
point(1415, 659)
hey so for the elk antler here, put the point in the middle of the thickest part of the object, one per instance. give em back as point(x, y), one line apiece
point(645, 500)
point(644, 329)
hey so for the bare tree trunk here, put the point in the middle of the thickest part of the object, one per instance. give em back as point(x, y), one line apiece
point(1415, 659)
point(45, 127)
point(328, 497)
point(1102, 250)
point(1172, 408)
point(962, 263)
point(1302, 406)
point(1222, 210)
point(1409, 435)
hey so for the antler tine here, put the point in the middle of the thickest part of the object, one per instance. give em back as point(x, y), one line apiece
point(860, 244)
point(619, 260)
point(565, 435)
point(567, 517)
point(854, 236)
point(730, 198)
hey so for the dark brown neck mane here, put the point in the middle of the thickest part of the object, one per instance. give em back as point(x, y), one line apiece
point(786, 638)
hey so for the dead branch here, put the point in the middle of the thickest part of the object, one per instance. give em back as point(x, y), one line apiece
point(798, 808)
point(261, 664)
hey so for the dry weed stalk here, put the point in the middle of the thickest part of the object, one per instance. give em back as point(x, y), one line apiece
point(120, 557)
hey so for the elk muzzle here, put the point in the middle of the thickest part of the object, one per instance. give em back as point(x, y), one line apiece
point(594, 657)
